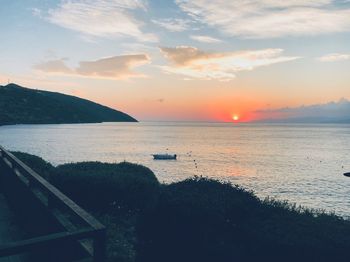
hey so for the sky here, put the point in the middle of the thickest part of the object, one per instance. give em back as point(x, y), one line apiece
point(202, 60)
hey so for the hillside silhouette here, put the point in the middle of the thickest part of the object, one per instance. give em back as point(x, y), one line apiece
point(20, 105)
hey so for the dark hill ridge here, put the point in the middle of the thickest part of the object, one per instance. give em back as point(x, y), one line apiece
point(20, 105)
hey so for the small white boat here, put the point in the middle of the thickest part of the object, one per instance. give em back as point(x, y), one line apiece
point(164, 157)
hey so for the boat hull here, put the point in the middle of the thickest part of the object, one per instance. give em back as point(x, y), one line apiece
point(164, 157)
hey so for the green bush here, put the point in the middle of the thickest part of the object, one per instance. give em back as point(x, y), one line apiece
point(196, 220)
point(39, 165)
point(200, 219)
point(121, 237)
point(102, 187)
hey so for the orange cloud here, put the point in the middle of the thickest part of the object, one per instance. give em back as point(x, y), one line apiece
point(116, 67)
point(54, 66)
point(196, 64)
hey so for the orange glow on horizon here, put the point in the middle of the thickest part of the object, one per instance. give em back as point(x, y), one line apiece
point(241, 108)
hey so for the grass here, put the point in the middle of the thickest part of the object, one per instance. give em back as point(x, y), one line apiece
point(198, 219)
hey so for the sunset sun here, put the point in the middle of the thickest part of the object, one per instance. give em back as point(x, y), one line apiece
point(235, 118)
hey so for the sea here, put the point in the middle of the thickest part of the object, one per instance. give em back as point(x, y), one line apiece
point(300, 163)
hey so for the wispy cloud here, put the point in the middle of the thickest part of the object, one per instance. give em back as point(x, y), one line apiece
point(329, 112)
point(205, 39)
point(173, 24)
point(334, 57)
point(270, 18)
point(101, 18)
point(54, 66)
point(116, 67)
point(196, 64)
point(36, 12)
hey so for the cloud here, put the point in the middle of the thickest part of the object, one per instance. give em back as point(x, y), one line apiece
point(54, 66)
point(116, 67)
point(101, 18)
point(113, 67)
point(335, 57)
point(183, 55)
point(36, 12)
point(270, 18)
point(319, 113)
point(196, 64)
point(173, 24)
point(205, 39)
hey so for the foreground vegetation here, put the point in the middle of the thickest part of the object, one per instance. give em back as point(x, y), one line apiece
point(198, 219)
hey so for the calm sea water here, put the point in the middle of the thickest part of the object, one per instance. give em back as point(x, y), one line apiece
point(299, 163)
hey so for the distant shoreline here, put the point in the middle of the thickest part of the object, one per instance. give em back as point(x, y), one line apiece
point(77, 123)
point(184, 122)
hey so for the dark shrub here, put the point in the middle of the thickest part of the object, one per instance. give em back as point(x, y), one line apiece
point(121, 237)
point(102, 187)
point(196, 220)
point(283, 231)
point(39, 165)
point(206, 220)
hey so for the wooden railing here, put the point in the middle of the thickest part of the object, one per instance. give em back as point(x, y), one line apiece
point(78, 227)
